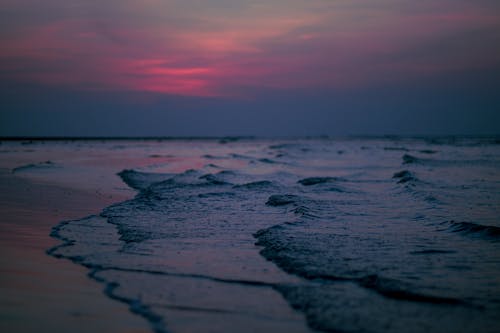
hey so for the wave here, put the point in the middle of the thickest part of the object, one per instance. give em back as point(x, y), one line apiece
point(282, 199)
point(284, 146)
point(212, 157)
point(35, 166)
point(369, 259)
point(431, 251)
point(474, 229)
point(404, 176)
point(396, 149)
point(407, 159)
point(463, 141)
point(267, 160)
point(190, 178)
point(240, 156)
point(262, 184)
point(427, 151)
point(141, 180)
point(318, 180)
point(216, 194)
point(289, 257)
point(395, 289)
point(410, 159)
point(213, 179)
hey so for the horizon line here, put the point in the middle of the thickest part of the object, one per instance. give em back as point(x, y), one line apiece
point(233, 138)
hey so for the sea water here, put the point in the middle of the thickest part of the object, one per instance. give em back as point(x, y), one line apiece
point(352, 235)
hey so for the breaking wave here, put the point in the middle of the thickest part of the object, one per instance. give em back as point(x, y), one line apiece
point(198, 249)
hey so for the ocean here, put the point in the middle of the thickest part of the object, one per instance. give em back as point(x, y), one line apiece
point(297, 235)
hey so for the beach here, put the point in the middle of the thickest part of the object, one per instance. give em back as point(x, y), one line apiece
point(45, 183)
point(224, 235)
point(40, 293)
point(250, 166)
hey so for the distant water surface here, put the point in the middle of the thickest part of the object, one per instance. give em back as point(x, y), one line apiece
point(355, 235)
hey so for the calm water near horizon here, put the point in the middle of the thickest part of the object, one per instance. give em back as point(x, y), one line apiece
point(347, 235)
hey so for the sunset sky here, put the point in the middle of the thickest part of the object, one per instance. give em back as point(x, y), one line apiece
point(222, 67)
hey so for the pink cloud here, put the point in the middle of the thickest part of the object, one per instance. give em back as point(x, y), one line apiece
point(306, 49)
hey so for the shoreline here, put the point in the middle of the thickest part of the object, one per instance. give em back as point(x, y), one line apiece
point(40, 292)
point(204, 244)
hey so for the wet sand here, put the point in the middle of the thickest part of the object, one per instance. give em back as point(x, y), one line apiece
point(44, 183)
point(39, 293)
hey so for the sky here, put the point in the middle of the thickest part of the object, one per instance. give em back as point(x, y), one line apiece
point(238, 67)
